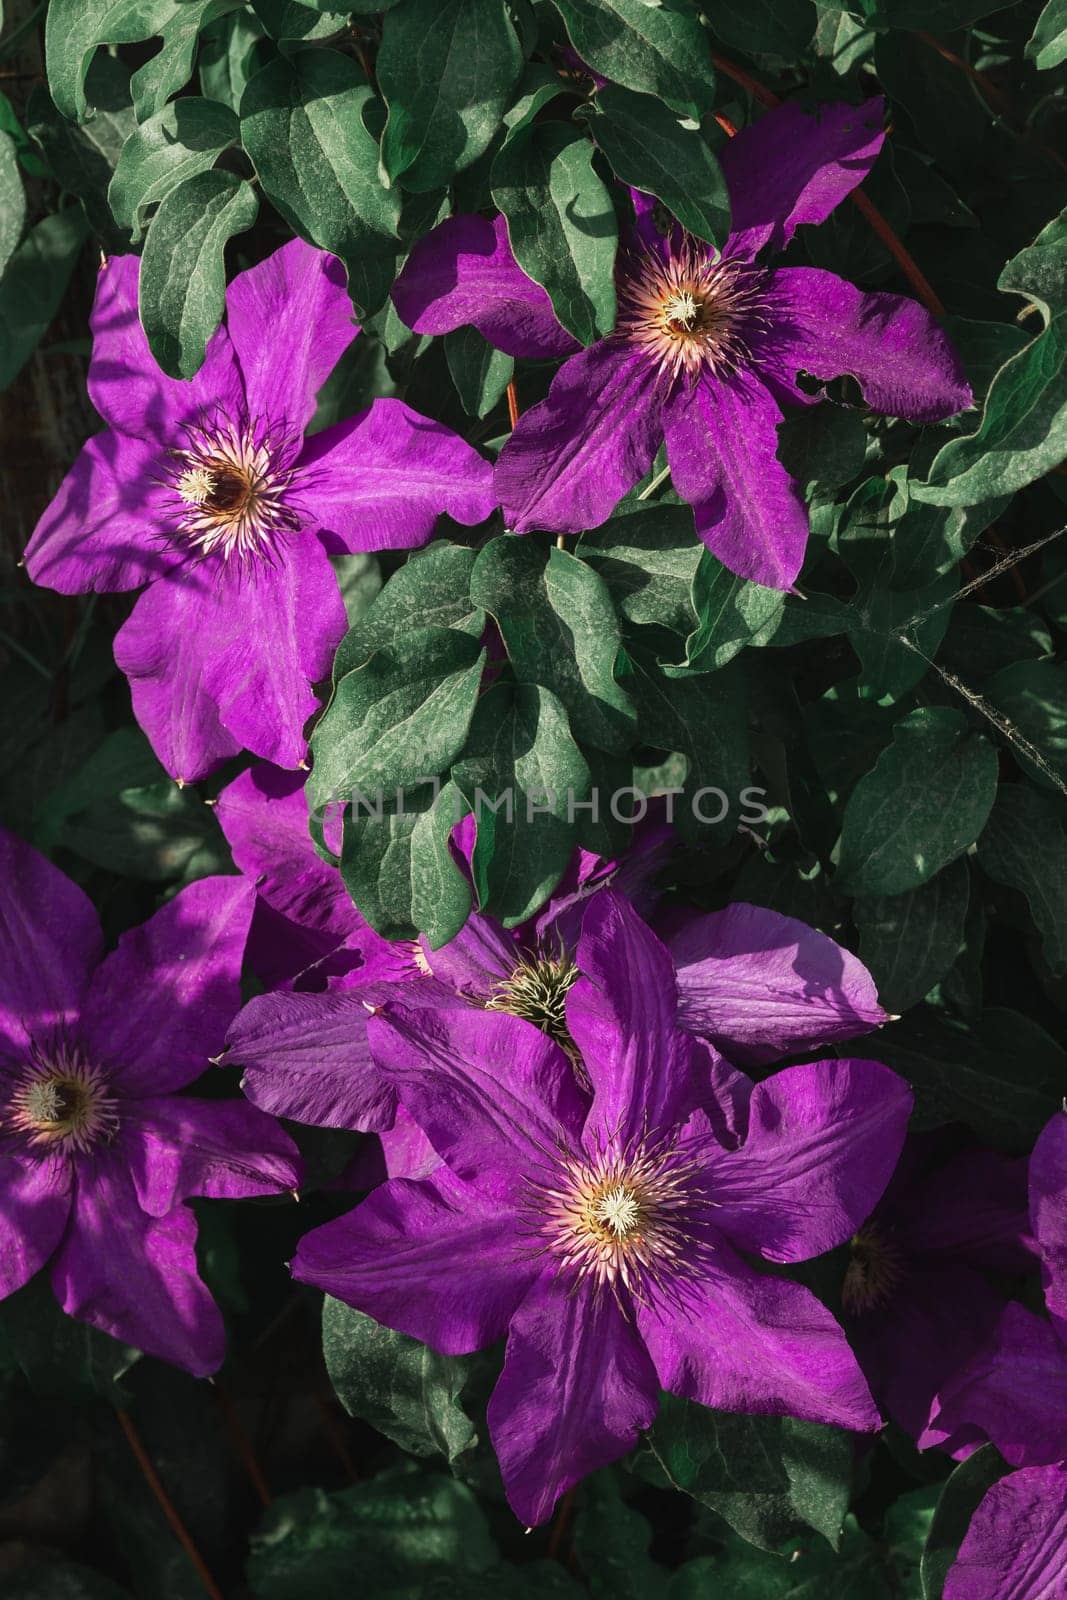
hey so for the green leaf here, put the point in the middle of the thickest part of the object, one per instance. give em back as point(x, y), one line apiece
point(431, 590)
point(520, 756)
point(480, 373)
point(302, 123)
point(401, 1387)
point(1048, 43)
point(183, 139)
point(909, 941)
point(400, 719)
point(765, 27)
point(924, 803)
point(822, 447)
point(768, 1477)
point(182, 289)
point(446, 69)
point(538, 86)
point(805, 1569)
point(649, 559)
point(64, 1361)
point(34, 284)
point(938, 16)
point(1024, 845)
point(289, 21)
point(171, 67)
point(560, 631)
point(231, 52)
point(41, 1579)
point(960, 1499)
point(650, 149)
point(74, 30)
point(731, 613)
point(397, 1532)
point(561, 224)
point(83, 158)
point(611, 1542)
point(12, 201)
point(397, 866)
point(658, 50)
point(1032, 696)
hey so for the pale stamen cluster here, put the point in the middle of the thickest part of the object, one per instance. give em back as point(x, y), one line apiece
point(688, 311)
point(231, 490)
point(60, 1099)
point(538, 990)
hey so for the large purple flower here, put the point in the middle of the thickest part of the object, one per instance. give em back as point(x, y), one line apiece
point(1016, 1545)
point(99, 1152)
point(706, 349)
point(602, 1228)
point(208, 492)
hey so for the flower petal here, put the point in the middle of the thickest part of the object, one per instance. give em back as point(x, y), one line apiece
point(474, 962)
point(35, 1199)
point(380, 480)
point(972, 1208)
point(1016, 1545)
point(306, 1056)
point(622, 1016)
point(822, 1143)
point(1048, 1211)
point(159, 1005)
point(490, 1091)
point(290, 321)
point(761, 986)
point(790, 168)
point(722, 443)
point(432, 1259)
point(135, 1277)
point(739, 1341)
point(571, 459)
point(576, 1390)
point(108, 528)
point(50, 941)
point(126, 384)
point(903, 361)
point(464, 274)
point(178, 1147)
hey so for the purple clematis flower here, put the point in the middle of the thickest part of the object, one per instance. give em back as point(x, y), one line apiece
point(917, 1299)
point(1016, 1545)
point(601, 1228)
point(208, 492)
point(705, 351)
point(1013, 1390)
point(99, 1150)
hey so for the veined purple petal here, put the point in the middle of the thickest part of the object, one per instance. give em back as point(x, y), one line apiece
point(1048, 1211)
point(1016, 1545)
point(761, 986)
point(492, 1093)
point(1014, 1392)
point(791, 167)
point(822, 1143)
point(306, 1056)
point(474, 962)
point(35, 1200)
point(159, 1005)
point(402, 1151)
point(432, 1259)
point(290, 321)
point(134, 1276)
point(571, 459)
point(108, 527)
point(722, 443)
point(621, 1014)
point(50, 941)
point(380, 480)
point(127, 386)
point(973, 1208)
point(576, 1390)
point(736, 1340)
point(464, 274)
point(178, 1147)
point(904, 363)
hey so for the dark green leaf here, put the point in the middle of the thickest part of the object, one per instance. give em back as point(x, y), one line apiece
point(822, 447)
point(63, 1360)
point(83, 158)
point(1032, 696)
point(183, 139)
point(40, 1579)
point(1024, 845)
point(611, 1542)
point(561, 224)
point(446, 69)
point(1048, 43)
point(909, 941)
point(231, 52)
point(960, 1499)
point(765, 27)
point(649, 559)
point(34, 284)
point(182, 289)
point(12, 201)
point(290, 21)
point(74, 29)
point(302, 124)
point(397, 865)
point(924, 803)
point(658, 50)
point(171, 67)
point(431, 590)
point(480, 373)
point(731, 613)
point(650, 149)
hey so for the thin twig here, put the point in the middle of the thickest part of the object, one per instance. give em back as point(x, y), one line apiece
point(513, 404)
point(996, 97)
point(559, 1525)
point(243, 1445)
point(166, 1505)
point(650, 488)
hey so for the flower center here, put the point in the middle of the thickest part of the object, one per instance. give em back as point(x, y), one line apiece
point(690, 312)
point(873, 1272)
point(231, 483)
point(538, 990)
point(61, 1100)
